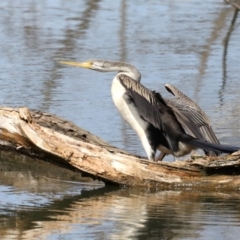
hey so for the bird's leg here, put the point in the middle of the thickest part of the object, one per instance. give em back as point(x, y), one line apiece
point(160, 157)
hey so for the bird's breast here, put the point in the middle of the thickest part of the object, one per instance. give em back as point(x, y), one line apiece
point(117, 91)
point(127, 108)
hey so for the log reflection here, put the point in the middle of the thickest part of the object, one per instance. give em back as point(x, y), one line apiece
point(128, 213)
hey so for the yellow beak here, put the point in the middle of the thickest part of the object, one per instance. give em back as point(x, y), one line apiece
point(77, 64)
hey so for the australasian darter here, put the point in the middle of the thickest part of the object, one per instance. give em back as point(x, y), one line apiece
point(154, 121)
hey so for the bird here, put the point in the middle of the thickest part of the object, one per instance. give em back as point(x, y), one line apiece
point(195, 120)
point(154, 121)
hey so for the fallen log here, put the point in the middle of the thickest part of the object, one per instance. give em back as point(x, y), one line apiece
point(45, 136)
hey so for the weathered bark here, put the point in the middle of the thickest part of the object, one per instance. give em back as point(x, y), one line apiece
point(47, 137)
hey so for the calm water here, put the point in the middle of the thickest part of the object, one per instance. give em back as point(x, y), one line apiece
point(180, 42)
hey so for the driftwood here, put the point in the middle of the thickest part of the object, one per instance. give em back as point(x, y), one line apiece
point(45, 136)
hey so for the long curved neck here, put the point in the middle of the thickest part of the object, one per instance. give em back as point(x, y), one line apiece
point(125, 68)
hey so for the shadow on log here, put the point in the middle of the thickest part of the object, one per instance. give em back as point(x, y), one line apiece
point(45, 136)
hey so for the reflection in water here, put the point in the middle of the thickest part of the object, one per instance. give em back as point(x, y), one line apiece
point(219, 24)
point(131, 214)
point(122, 32)
point(226, 43)
point(68, 45)
point(179, 42)
point(28, 189)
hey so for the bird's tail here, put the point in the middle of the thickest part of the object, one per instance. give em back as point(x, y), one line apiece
point(216, 148)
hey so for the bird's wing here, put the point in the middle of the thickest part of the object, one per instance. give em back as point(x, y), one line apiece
point(144, 100)
point(152, 107)
point(188, 124)
point(191, 111)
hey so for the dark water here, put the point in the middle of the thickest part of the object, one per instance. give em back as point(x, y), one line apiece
point(180, 42)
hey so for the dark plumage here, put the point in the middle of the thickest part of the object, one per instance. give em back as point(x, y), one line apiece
point(154, 109)
point(192, 117)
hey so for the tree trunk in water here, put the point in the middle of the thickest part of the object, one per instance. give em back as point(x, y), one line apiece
point(45, 136)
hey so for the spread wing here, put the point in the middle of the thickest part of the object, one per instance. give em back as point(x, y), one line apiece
point(193, 119)
point(191, 113)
